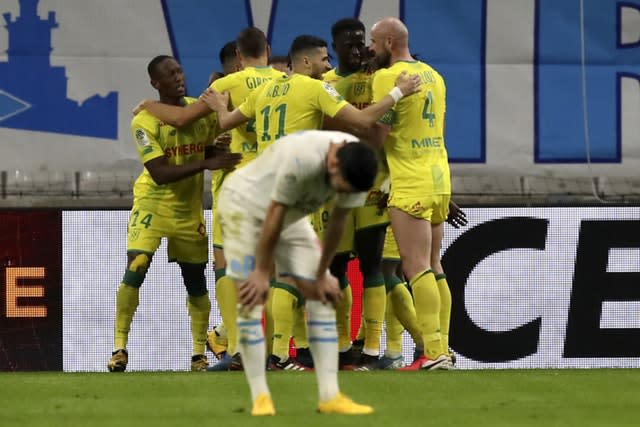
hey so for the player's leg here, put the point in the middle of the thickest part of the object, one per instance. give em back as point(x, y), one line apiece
point(241, 230)
point(283, 312)
point(343, 311)
point(369, 243)
point(398, 294)
point(413, 235)
point(189, 247)
point(297, 255)
point(226, 293)
point(300, 336)
point(142, 242)
point(441, 278)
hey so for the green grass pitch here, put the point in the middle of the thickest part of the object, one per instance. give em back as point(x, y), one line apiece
point(598, 397)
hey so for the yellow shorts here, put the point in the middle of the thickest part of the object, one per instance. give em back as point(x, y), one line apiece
point(186, 238)
point(217, 178)
point(319, 221)
point(390, 250)
point(433, 208)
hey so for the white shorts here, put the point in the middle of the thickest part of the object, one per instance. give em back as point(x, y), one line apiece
point(297, 252)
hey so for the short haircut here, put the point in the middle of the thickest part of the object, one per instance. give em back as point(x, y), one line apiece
point(227, 52)
point(358, 164)
point(279, 58)
point(152, 68)
point(345, 25)
point(304, 43)
point(252, 42)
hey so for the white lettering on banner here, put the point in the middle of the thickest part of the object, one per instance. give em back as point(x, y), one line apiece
point(540, 295)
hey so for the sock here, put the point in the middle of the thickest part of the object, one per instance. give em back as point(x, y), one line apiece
point(251, 347)
point(199, 309)
point(343, 315)
point(374, 299)
point(127, 300)
point(394, 332)
point(445, 310)
point(427, 302)
point(361, 331)
point(300, 327)
point(268, 324)
point(283, 305)
point(323, 343)
point(405, 311)
point(227, 297)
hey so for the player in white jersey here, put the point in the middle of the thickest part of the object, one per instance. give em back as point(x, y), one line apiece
point(263, 210)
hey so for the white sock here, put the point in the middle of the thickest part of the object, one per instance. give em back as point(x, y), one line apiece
point(323, 343)
point(252, 349)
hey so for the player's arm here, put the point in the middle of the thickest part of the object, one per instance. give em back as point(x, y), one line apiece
point(254, 290)
point(364, 119)
point(174, 115)
point(219, 102)
point(163, 172)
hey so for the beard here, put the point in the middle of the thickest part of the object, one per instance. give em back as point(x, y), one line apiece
point(383, 60)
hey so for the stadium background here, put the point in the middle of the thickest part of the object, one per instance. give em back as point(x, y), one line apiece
point(542, 112)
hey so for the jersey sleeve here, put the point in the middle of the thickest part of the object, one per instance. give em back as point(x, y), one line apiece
point(329, 100)
point(292, 172)
point(351, 200)
point(145, 136)
point(248, 107)
point(382, 83)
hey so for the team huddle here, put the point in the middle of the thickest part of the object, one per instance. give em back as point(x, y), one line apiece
point(352, 157)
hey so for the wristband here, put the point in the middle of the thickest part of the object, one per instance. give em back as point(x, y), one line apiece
point(396, 94)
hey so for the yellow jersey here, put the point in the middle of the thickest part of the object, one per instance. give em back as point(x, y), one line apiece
point(354, 87)
point(415, 148)
point(290, 104)
point(240, 85)
point(183, 198)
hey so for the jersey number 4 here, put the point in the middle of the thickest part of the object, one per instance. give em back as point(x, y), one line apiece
point(427, 111)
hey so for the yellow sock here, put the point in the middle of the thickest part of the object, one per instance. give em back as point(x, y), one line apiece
point(361, 331)
point(427, 301)
point(300, 327)
point(283, 306)
point(343, 317)
point(405, 311)
point(445, 309)
point(227, 297)
point(199, 309)
point(374, 299)
point(127, 299)
point(268, 323)
point(394, 332)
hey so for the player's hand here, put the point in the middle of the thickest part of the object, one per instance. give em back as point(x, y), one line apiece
point(328, 289)
point(215, 100)
point(254, 290)
point(457, 218)
point(141, 106)
point(408, 84)
point(382, 202)
point(224, 139)
point(225, 160)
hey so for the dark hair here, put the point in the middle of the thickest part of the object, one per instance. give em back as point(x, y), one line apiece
point(152, 68)
point(252, 42)
point(344, 25)
point(358, 164)
point(303, 43)
point(279, 58)
point(227, 52)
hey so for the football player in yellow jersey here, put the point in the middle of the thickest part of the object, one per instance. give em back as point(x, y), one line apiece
point(352, 80)
point(168, 203)
point(253, 54)
point(413, 138)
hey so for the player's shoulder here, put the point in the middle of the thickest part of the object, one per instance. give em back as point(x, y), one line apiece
point(330, 76)
point(144, 119)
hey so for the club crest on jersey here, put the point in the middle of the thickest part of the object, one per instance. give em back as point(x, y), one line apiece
point(141, 138)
